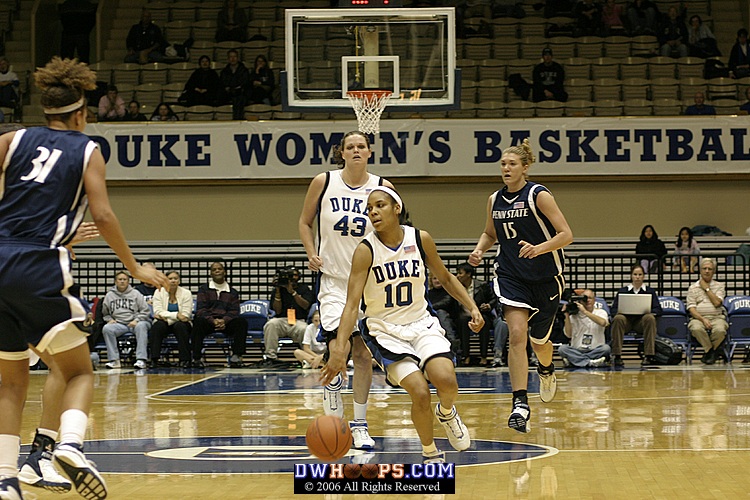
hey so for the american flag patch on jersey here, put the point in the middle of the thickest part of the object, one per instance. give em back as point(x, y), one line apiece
point(410, 248)
point(518, 204)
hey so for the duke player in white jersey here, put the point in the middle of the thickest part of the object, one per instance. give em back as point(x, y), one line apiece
point(49, 175)
point(337, 201)
point(389, 269)
point(531, 230)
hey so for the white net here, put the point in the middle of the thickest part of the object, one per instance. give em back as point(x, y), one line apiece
point(369, 105)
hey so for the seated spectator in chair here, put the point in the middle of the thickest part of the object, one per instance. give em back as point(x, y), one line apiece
point(111, 106)
point(642, 17)
point(147, 290)
point(700, 107)
point(588, 16)
point(203, 87)
point(686, 245)
point(612, 19)
point(643, 324)
point(261, 82)
point(649, 244)
point(485, 299)
point(701, 42)
point(584, 326)
point(746, 107)
point(231, 23)
point(673, 35)
point(218, 310)
point(164, 113)
point(445, 307)
point(311, 354)
point(739, 57)
point(145, 42)
point(235, 79)
point(548, 79)
point(133, 113)
point(708, 324)
point(173, 310)
point(125, 311)
point(9, 85)
point(291, 300)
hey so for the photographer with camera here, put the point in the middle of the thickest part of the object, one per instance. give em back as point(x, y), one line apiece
point(584, 326)
point(291, 300)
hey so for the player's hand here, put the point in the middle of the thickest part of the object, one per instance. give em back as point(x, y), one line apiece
point(85, 232)
point(315, 263)
point(336, 363)
point(528, 251)
point(151, 276)
point(477, 321)
point(475, 257)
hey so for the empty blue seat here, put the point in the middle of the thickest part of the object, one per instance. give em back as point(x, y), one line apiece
point(738, 317)
point(672, 324)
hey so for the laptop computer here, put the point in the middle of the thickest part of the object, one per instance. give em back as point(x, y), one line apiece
point(635, 304)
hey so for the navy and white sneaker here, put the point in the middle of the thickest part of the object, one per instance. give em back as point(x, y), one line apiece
point(38, 471)
point(332, 402)
point(69, 458)
point(520, 416)
point(10, 489)
point(458, 434)
point(360, 435)
point(435, 458)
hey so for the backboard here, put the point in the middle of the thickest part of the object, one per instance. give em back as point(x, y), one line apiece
point(410, 52)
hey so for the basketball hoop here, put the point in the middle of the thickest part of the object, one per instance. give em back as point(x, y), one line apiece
point(369, 105)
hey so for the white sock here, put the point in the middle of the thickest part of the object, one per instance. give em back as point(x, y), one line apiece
point(441, 411)
point(73, 426)
point(360, 411)
point(47, 432)
point(10, 448)
point(429, 449)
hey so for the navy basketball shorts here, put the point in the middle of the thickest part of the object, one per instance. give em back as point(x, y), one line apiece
point(542, 299)
point(36, 304)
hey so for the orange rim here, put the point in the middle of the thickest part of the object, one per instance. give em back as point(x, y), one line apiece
point(368, 93)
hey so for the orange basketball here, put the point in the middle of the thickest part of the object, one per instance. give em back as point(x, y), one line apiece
point(369, 471)
point(329, 438)
point(352, 471)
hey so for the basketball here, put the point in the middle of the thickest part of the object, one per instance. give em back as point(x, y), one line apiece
point(369, 471)
point(352, 471)
point(329, 438)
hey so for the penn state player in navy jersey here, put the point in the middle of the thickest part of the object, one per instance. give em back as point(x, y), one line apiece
point(389, 269)
point(48, 176)
point(336, 201)
point(531, 230)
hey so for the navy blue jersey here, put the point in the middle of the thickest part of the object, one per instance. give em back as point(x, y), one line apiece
point(43, 199)
point(517, 217)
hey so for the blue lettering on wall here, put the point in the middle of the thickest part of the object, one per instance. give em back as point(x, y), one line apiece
point(391, 146)
point(739, 152)
point(679, 145)
point(575, 144)
point(614, 145)
point(712, 143)
point(488, 147)
point(158, 149)
point(440, 150)
point(322, 148)
point(103, 146)
point(195, 155)
point(299, 151)
point(517, 136)
point(647, 137)
point(255, 147)
point(122, 150)
point(549, 150)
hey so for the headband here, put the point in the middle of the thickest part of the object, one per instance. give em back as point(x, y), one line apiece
point(391, 192)
point(65, 109)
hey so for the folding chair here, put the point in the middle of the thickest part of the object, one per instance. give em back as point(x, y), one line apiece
point(672, 324)
point(738, 317)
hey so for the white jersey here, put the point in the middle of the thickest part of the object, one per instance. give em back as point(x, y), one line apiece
point(342, 222)
point(396, 288)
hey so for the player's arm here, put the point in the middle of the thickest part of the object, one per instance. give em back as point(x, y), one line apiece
point(563, 237)
point(339, 347)
point(5, 140)
point(487, 238)
point(451, 283)
point(307, 219)
point(109, 225)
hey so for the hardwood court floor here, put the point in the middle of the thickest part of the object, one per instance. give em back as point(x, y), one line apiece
point(677, 433)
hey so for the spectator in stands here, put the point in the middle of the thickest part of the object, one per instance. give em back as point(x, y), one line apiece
point(705, 299)
point(173, 310)
point(125, 311)
point(673, 35)
point(145, 42)
point(445, 308)
point(686, 245)
point(311, 354)
point(501, 332)
point(584, 326)
point(650, 244)
point(548, 79)
point(746, 107)
point(133, 113)
point(231, 23)
point(146, 289)
point(612, 19)
point(203, 87)
point(235, 79)
point(701, 42)
point(700, 107)
point(78, 18)
point(9, 85)
point(111, 106)
point(588, 16)
point(218, 310)
point(642, 17)
point(261, 82)
point(291, 300)
point(739, 57)
point(642, 324)
point(486, 300)
point(163, 113)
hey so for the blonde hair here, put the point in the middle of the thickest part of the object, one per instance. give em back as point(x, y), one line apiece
point(523, 151)
point(64, 82)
